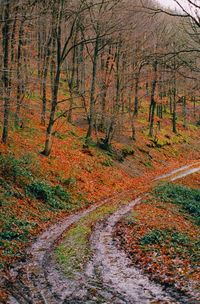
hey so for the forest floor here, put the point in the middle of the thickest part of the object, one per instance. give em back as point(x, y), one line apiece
point(82, 264)
point(161, 234)
point(37, 192)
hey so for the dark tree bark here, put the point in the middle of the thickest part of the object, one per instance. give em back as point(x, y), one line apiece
point(137, 79)
point(55, 78)
point(48, 141)
point(174, 114)
point(184, 101)
point(92, 90)
point(5, 78)
point(153, 101)
point(20, 84)
point(71, 81)
point(44, 81)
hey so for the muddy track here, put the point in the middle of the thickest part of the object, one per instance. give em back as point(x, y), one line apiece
point(108, 277)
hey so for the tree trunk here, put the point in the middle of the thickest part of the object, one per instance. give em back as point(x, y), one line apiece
point(44, 82)
point(194, 106)
point(184, 112)
point(174, 115)
point(71, 85)
point(136, 94)
point(92, 91)
point(55, 70)
point(19, 78)
point(5, 77)
point(133, 137)
point(153, 102)
point(48, 141)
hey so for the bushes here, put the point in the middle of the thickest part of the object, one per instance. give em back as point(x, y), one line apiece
point(10, 243)
point(107, 162)
point(18, 172)
point(69, 182)
point(128, 150)
point(174, 242)
point(188, 199)
point(56, 197)
point(160, 236)
point(15, 229)
point(40, 190)
point(15, 170)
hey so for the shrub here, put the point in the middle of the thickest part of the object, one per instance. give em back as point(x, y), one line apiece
point(61, 193)
point(15, 170)
point(157, 236)
point(56, 197)
point(71, 181)
point(107, 162)
point(128, 150)
point(188, 199)
point(15, 229)
point(40, 190)
point(153, 237)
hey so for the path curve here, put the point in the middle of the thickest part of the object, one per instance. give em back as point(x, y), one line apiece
point(109, 277)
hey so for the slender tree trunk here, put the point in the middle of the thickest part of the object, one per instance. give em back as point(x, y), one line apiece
point(116, 108)
point(44, 82)
point(194, 106)
point(82, 68)
point(147, 89)
point(184, 112)
point(174, 115)
point(137, 77)
point(153, 102)
point(71, 84)
point(104, 88)
point(19, 78)
point(92, 91)
point(133, 137)
point(12, 45)
point(55, 70)
point(48, 141)
point(170, 103)
point(5, 42)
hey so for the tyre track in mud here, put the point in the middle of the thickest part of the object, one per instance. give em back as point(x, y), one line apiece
point(108, 277)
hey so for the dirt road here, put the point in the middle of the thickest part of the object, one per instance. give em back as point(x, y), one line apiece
point(108, 277)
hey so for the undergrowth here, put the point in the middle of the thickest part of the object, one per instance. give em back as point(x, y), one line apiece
point(21, 187)
point(187, 198)
point(177, 242)
point(55, 196)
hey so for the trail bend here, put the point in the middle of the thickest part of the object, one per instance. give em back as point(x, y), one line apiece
point(109, 276)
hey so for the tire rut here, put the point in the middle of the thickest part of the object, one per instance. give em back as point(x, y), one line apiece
point(109, 276)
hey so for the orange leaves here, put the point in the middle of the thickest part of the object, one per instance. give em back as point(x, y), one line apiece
point(192, 181)
point(164, 261)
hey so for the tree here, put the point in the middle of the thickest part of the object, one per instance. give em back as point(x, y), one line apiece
point(6, 72)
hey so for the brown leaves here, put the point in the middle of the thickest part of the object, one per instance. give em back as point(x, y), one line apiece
point(170, 263)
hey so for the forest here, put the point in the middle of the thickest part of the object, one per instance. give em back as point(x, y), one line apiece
point(99, 151)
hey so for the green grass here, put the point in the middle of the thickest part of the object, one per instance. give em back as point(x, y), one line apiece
point(74, 251)
point(188, 199)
